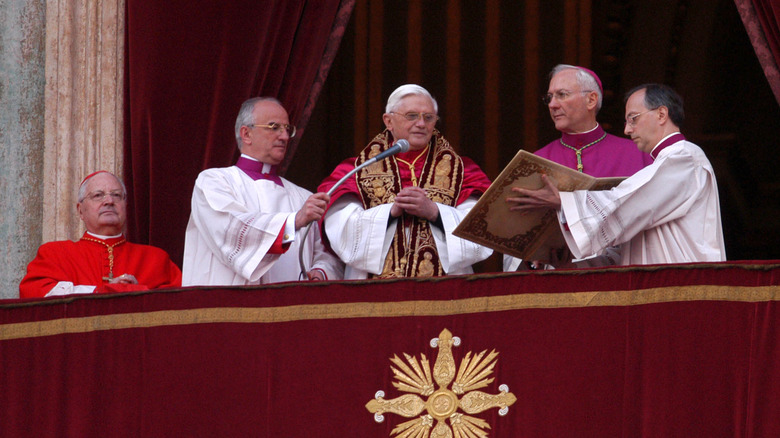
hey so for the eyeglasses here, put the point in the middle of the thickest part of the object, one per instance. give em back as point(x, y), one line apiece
point(631, 120)
point(101, 196)
point(561, 95)
point(277, 127)
point(413, 117)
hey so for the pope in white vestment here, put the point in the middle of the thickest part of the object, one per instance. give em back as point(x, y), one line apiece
point(362, 237)
point(247, 224)
point(395, 218)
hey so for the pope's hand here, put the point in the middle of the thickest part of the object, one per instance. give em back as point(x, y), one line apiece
point(414, 201)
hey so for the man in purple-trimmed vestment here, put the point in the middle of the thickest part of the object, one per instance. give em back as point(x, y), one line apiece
point(247, 223)
point(667, 212)
point(574, 97)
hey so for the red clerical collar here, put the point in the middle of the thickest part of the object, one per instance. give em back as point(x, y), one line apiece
point(672, 139)
point(412, 155)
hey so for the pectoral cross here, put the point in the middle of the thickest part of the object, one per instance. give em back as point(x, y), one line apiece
point(578, 152)
point(110, 264)
point(110, 249)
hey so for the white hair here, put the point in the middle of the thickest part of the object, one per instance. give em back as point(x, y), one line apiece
point(83, 186)
point(245, 116)
point(408, 90)
point(584, 79)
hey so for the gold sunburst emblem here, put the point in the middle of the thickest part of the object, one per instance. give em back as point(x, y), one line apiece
point(443, 402)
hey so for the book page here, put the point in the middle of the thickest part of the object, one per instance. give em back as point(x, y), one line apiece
point(530, 235)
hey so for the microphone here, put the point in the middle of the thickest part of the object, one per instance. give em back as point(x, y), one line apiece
point(401, 145)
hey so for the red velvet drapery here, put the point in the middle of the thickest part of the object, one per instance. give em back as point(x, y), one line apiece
point(189, 65)
point(652, 351)
point(762, 23)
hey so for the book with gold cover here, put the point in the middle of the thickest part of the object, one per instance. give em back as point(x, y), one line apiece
point(532, 235)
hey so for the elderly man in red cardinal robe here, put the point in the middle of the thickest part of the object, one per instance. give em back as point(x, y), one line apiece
point(395, 218)
point(102, 260)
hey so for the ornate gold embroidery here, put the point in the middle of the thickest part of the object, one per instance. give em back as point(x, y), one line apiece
point(426, 266)
point(442, 404)
point(413, 251)
point(378, 188)
point(441, 178)
point(444, 183)
point(376, 167)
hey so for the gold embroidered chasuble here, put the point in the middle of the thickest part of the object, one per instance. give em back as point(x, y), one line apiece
point(413, 251)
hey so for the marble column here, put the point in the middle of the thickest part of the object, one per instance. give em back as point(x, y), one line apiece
point(22, 80)
point(84, 91)
point(61, 85)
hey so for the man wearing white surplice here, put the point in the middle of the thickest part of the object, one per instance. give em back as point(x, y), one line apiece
point(247, 223)
point(668, 212)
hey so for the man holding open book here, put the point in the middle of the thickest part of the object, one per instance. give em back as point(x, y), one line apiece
point(668, 212)
point(574, 98)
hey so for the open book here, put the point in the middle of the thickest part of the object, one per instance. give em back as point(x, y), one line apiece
point(529, 236)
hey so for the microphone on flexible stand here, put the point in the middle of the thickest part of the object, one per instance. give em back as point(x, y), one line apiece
point(399, 146)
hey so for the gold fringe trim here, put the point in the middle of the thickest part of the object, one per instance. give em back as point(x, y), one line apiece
point(306, 312)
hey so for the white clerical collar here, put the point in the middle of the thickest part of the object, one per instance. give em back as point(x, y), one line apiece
point(266, 167)
point(103, 237)
point(585, 132)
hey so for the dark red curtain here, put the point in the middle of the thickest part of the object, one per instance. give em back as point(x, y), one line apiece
point(762, 22)
point(651, 351)
point(189, 65)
